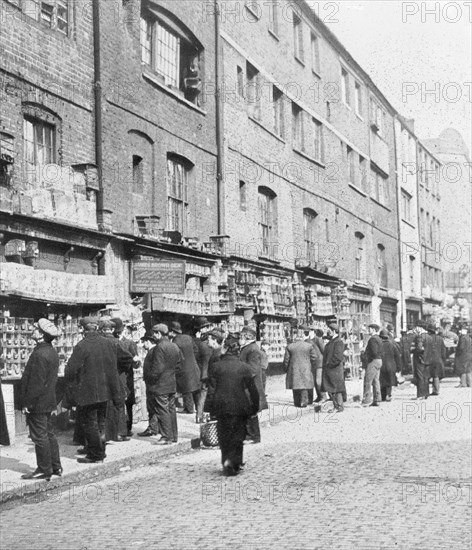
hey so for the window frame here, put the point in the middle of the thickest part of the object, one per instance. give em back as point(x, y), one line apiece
point(253, 97)
point(315, 54)
point(358, 102)
point(278, 111)
point(30, 146)
point(267, 218)
point(274, 18)
point(309, 234)
point(318, 140)
point(360, 257)
point(181, 201)
point(298, 46)
point(242, 196)
point(298, 128)
point(51, 19)
point(406, 205)
point(345, 87)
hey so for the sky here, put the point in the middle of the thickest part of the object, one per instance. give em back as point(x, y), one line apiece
point(419, 54)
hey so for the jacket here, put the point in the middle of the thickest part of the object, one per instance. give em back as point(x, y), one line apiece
point(130, 346)
point(161, 364)
point(391, 363)
point(333, 367)
point(124, 362)
point(235, 389)
point(300, 362)
point(93, 367)
point(423, 349)
point(188, 377)
point(439, 356)
point(373, 349)
point(252, 356)
point(38, 383)
point(203, 353)
point(463, 359)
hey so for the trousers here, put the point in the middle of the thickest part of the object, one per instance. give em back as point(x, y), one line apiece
point(372, 381)
point(93, 418)
point(45, 442)
point(300, 398)
point(252, 428)
point(231, 434)
point(162, 407)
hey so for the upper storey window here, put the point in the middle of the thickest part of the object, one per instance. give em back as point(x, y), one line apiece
point(171, 52)
point(53, 14)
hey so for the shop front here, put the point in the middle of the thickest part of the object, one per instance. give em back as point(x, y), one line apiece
point(413, 312)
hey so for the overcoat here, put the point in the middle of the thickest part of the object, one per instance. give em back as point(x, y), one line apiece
point(93, 364)
point(463, 359)
point(436, 369)
point(300, 362)
point(161, 365)
point(203, 353)
point(38, 383)
point(188, 377)
point(235, 389)
point(130, 346)
point(333, 367)
point(391, 363)
point(252, 356)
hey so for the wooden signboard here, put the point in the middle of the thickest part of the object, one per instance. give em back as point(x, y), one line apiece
point(158, 276)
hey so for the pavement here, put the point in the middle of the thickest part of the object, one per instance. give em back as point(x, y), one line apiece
point(20, 457)
point(394, 477)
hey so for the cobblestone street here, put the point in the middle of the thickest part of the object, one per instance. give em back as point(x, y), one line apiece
point(394, 477)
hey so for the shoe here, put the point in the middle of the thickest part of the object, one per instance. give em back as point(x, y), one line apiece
point(81, 451)
point(147, 433)
point(366, 404)
point(57, 472)
point(374, 404)
point(130, 433)
point(123, 438)
point(388, 399)
point(37, 474)
point(183, 411)
point(460, 386)
point(87, 460)
point(229, 469)
point(435, 393)
point(164, 441)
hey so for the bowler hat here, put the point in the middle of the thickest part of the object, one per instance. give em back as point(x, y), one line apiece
point(118, 324)
point(48, 328)
point(375, 326)
point(148, 336)
point(163, 329)
point(384, 334)
point(201, 322)
point(249, 332)
point(305, 328)
point(218, 335)
point(105, 324)
point(89, 321)
point(431, 328)
point(175, 327)
point(334, 326)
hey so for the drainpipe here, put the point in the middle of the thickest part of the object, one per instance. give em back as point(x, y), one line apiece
point(219, 125)
point(97, 87)
point(399, 221)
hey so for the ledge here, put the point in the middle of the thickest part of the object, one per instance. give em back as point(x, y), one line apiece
point(147, 75)
point(316, 73)
point(408, 223)
point(357, 189)
point(309, 157)
point(274, 35)
point(271, 132)
point(302, 63)
point(380, 204)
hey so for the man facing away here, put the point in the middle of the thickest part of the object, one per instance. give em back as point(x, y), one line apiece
point(93, 364)
point(316, 338)
point(333, 368)
point(373, 361)
point(38, 398)
point(203, 354)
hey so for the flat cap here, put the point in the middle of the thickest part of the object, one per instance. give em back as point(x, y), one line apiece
point(149, 335)
point(89, 321)
point(334, 326)
point(375, 326)
point(118, 323)
point(218, 335)
point(163, 329)
point(48, 327)
point(248, 331)
point(106, 324)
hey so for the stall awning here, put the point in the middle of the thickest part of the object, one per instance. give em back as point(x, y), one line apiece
point(317, 277)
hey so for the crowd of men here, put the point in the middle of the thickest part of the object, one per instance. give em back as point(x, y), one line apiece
point(100, 382)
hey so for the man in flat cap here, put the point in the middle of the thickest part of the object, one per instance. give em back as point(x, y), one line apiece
point(38, 399)
point(251, 355)
point(94, 364)
point(149, 343)
point(188, 379)
point(333, 368)
point(372, 358)
point(422, 359)
point(160, 378)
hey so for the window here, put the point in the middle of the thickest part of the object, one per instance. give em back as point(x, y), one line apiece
point(278, 104)
point(358, 98)
point(309, 234)
point(274, 16)
point(427, 229)
point(317, 140)
point(7, 154)
point(178, 171)
point(253, 92)
point(438, 232)
point(362, 173)
point(382, 276)
point(53, 14)
point(315, 54)
point(432, 229)
point(298, 127)
point(379, 188)
point(39, 145)
point(360, 256)
point(173, 54)
point(351, 166)
point(422, 223)
point(406, 206)
point(138, 180)
point(345, 87)
point(412, 274)
point(240, 80)
point(242, 196)
point(298, 38)
point(267, 219)
point(378, 117)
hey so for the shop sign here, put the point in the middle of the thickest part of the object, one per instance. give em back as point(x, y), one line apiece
point(158, 276)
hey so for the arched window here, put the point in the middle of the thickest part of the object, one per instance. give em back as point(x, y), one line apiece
point(382, 275)
point(360, 257)
point(267, 202)
point(171, 51)
point(178, 175)
point(310, 234)
point(142, 161)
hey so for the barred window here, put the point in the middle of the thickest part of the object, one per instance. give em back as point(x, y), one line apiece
point(53, 14)
point(178, 170)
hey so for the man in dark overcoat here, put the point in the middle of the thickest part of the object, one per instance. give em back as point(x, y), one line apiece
point(316, 338)
point(129, 346)
point(160, 378)
point(391, 364)
point(38, 400)
point(149, 343)
point(300, 362)
point(422, 360)
point(188, 378)
point(333, 368)
point(203, 354)
point(439, 351)
point(463, 359)
point(94, 364)
point(251, 355)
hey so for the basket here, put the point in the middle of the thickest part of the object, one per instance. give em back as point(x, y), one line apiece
point(209, 434)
